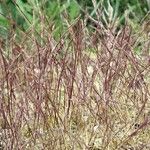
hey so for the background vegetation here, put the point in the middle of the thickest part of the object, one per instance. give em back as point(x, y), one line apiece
point(25, 13)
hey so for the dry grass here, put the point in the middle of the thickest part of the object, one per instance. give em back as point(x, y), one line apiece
point(89, 90)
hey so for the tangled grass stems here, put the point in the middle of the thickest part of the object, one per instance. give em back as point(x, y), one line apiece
point(88, 90)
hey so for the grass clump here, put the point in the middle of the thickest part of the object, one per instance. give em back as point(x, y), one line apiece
point(87, 89)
